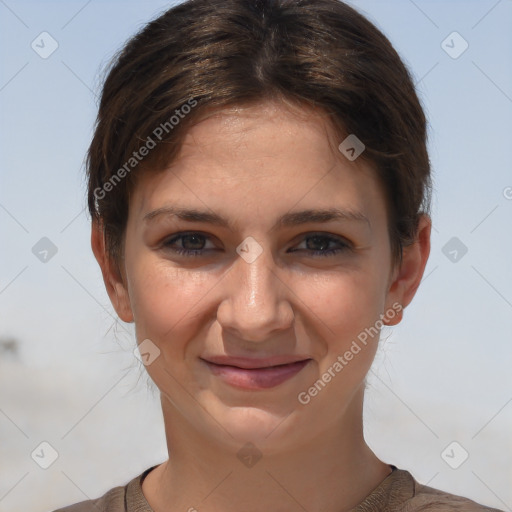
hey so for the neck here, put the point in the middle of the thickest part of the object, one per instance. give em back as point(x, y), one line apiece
point(333, 472)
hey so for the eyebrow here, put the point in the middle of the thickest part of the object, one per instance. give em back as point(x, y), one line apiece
point(288, 219)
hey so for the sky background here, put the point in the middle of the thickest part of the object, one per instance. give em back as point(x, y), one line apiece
point(442, 375)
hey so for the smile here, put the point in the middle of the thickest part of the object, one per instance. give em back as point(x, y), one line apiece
point(254, 375)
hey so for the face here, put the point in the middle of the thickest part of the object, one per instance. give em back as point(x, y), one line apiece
point(255, 264)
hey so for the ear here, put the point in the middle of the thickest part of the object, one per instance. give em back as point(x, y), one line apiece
point(407, 276)
point(114, 283)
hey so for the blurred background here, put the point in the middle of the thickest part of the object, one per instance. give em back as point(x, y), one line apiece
point(78, 414)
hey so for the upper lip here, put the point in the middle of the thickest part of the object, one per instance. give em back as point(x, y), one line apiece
point(251, 363)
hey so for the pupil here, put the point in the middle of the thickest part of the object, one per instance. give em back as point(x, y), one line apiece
point(321, 243)
point(196, 242)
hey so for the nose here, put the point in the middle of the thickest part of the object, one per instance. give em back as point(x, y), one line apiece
point(256, 302)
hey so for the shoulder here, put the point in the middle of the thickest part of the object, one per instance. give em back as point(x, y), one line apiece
point(429, 499)
point(400, 492)
point(111, 501)
point(123, 498)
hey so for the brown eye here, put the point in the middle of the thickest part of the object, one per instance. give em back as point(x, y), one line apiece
point(188, 244)
point(323, 245)
point(193, 242)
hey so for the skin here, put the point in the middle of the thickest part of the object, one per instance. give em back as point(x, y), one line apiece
point(252, 165)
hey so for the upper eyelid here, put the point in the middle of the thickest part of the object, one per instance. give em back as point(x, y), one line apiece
point(342, 241)
point(181, 234)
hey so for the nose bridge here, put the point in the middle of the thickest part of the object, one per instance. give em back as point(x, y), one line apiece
point(258, 283)
point(256, 303)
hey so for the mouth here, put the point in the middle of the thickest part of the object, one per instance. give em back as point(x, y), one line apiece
point(254, 374)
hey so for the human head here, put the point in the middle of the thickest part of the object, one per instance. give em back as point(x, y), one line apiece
point(204, 55)
point(248, 145)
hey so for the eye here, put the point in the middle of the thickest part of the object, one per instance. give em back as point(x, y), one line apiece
point(320, 244)
point(192, 244)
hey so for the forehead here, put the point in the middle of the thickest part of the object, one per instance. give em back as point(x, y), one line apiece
point(260, 152)
point(265, 131)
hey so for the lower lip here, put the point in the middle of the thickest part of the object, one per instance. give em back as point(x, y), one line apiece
point(257, 378)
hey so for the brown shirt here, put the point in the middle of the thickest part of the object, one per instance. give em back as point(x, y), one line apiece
point(398, 492)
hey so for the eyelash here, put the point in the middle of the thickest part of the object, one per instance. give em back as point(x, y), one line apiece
point(344, 246)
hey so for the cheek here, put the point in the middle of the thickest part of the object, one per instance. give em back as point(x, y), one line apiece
point(166, 301)
point(348, 309)
point(348, 306)
point(344, 303)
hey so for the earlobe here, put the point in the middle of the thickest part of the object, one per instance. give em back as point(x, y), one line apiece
point(408, 276)
point(114, 282)
point(393, 315)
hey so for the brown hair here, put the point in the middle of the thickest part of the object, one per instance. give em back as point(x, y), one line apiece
point(209, 54)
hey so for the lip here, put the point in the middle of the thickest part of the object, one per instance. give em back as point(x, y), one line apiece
point(254, 363)
point(253, 374)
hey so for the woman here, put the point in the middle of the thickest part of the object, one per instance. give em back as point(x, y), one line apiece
point(259, 192)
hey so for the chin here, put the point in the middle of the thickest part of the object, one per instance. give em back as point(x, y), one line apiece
point(269, 430)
